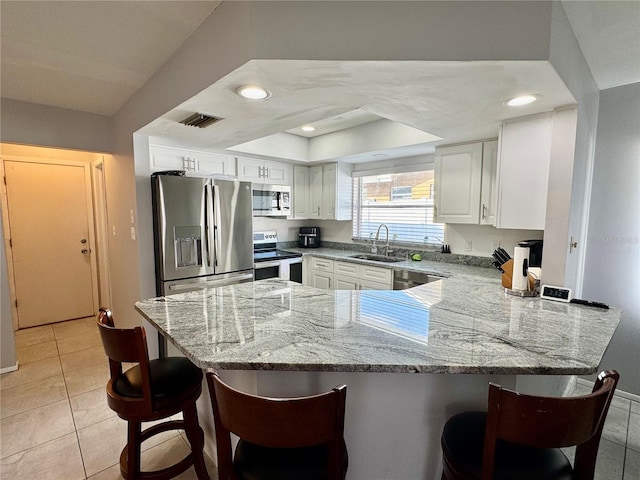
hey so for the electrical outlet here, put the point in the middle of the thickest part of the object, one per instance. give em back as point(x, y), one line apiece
point(467, 245)
point(495, 244)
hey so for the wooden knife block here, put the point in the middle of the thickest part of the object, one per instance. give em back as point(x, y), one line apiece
point(507, 276)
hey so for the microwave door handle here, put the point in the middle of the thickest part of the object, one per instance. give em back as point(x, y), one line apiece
point(279, 200)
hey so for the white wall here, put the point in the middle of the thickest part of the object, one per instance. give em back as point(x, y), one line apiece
point(31, 124)
point(613, 242)
point(567, 59)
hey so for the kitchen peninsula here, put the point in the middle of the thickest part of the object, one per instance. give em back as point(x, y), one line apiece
point(410, 358)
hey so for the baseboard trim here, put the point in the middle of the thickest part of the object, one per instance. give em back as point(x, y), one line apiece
point(11, 368)
point(620, 393)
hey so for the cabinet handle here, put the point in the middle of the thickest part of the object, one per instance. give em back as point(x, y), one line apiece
point(435, 211)
point(484, 211)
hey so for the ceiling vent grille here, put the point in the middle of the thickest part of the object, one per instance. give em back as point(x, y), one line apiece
point(199, 120)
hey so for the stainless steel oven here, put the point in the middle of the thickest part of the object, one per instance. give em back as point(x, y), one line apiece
point(270, 262)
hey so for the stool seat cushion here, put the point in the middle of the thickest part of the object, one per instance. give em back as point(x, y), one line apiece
point(462, 446)
point(255, 462)
point(170, 377)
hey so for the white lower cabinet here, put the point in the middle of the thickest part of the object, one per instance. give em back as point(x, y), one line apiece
point(338, 275)
point(320, 274)
point(353, 276)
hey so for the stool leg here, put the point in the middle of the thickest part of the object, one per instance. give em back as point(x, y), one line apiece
point(133, 451)
point(196, 439)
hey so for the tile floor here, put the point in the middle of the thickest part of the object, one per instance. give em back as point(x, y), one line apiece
point(55, 423)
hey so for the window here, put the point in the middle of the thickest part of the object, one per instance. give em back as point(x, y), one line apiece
point(402, 201)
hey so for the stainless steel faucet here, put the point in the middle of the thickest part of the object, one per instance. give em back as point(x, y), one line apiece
point(374, 248)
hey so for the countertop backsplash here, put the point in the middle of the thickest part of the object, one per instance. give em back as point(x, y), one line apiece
point(402, 252)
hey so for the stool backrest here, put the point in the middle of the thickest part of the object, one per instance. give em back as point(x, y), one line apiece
point(278, 422)
point(550, 422)
point(125, 345)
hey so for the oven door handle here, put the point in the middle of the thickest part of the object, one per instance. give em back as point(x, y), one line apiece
point(259, 265)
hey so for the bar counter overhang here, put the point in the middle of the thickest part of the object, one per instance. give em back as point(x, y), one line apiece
point(410, 358)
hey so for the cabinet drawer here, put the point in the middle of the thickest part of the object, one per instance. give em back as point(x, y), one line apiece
point(376, 274)
point(348, 269)
point(322, 264)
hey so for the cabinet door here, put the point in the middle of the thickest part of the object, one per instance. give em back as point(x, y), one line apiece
point(213, 163)
point(300, 198)
point(370, 285)
point(315, 191)
point(250, 170)
point(458, 172)
point(381, 277)
point(524, 159)
point(328, 203)
point(321, 279)
point(347, 269)
point(277, 173)
point(345, 283)
point(322, 264)
point(168, 158)
point(489, 189)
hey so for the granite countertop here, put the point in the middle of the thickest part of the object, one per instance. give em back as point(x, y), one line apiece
point(461, 324)
point(442, 269)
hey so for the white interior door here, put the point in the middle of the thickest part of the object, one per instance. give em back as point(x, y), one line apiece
point(50, 224)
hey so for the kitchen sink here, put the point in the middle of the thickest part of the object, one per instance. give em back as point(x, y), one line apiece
point(403, 279)
point(378, 258)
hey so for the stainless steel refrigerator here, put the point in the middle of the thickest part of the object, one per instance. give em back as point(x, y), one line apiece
point(203, 232)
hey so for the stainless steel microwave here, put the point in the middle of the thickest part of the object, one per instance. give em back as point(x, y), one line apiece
point(271, 200)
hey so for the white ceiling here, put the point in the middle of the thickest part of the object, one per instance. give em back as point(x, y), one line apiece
point(455, 101)
point(90, 56)
point(93, 55)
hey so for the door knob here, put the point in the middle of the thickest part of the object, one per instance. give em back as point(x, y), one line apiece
point(84, 240)
point(85, 251)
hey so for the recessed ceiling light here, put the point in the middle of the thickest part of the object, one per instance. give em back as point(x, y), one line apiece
point(253, 92)
point(308, 128)
point(522, 100)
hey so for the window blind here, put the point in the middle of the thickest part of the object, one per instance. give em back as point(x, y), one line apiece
point(401, 201)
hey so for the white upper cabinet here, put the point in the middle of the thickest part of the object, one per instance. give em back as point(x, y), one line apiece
point(489, 188)
point(300, 194)
point(330, 191)
point(264, 171)
point(193, 162)
point(524, 158)
point(457, 185)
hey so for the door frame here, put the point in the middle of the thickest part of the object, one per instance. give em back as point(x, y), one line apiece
point(103, 271)
point(7, 226)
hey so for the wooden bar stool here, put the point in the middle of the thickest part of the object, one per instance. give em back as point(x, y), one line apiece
point(520, 436)
point(151, 390)
point(280, 438)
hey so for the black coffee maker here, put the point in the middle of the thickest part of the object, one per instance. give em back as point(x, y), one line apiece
point(309, 237)
point(535, 251)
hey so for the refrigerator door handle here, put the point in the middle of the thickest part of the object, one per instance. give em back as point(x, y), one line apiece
point(209, 224)
point(217, 221)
